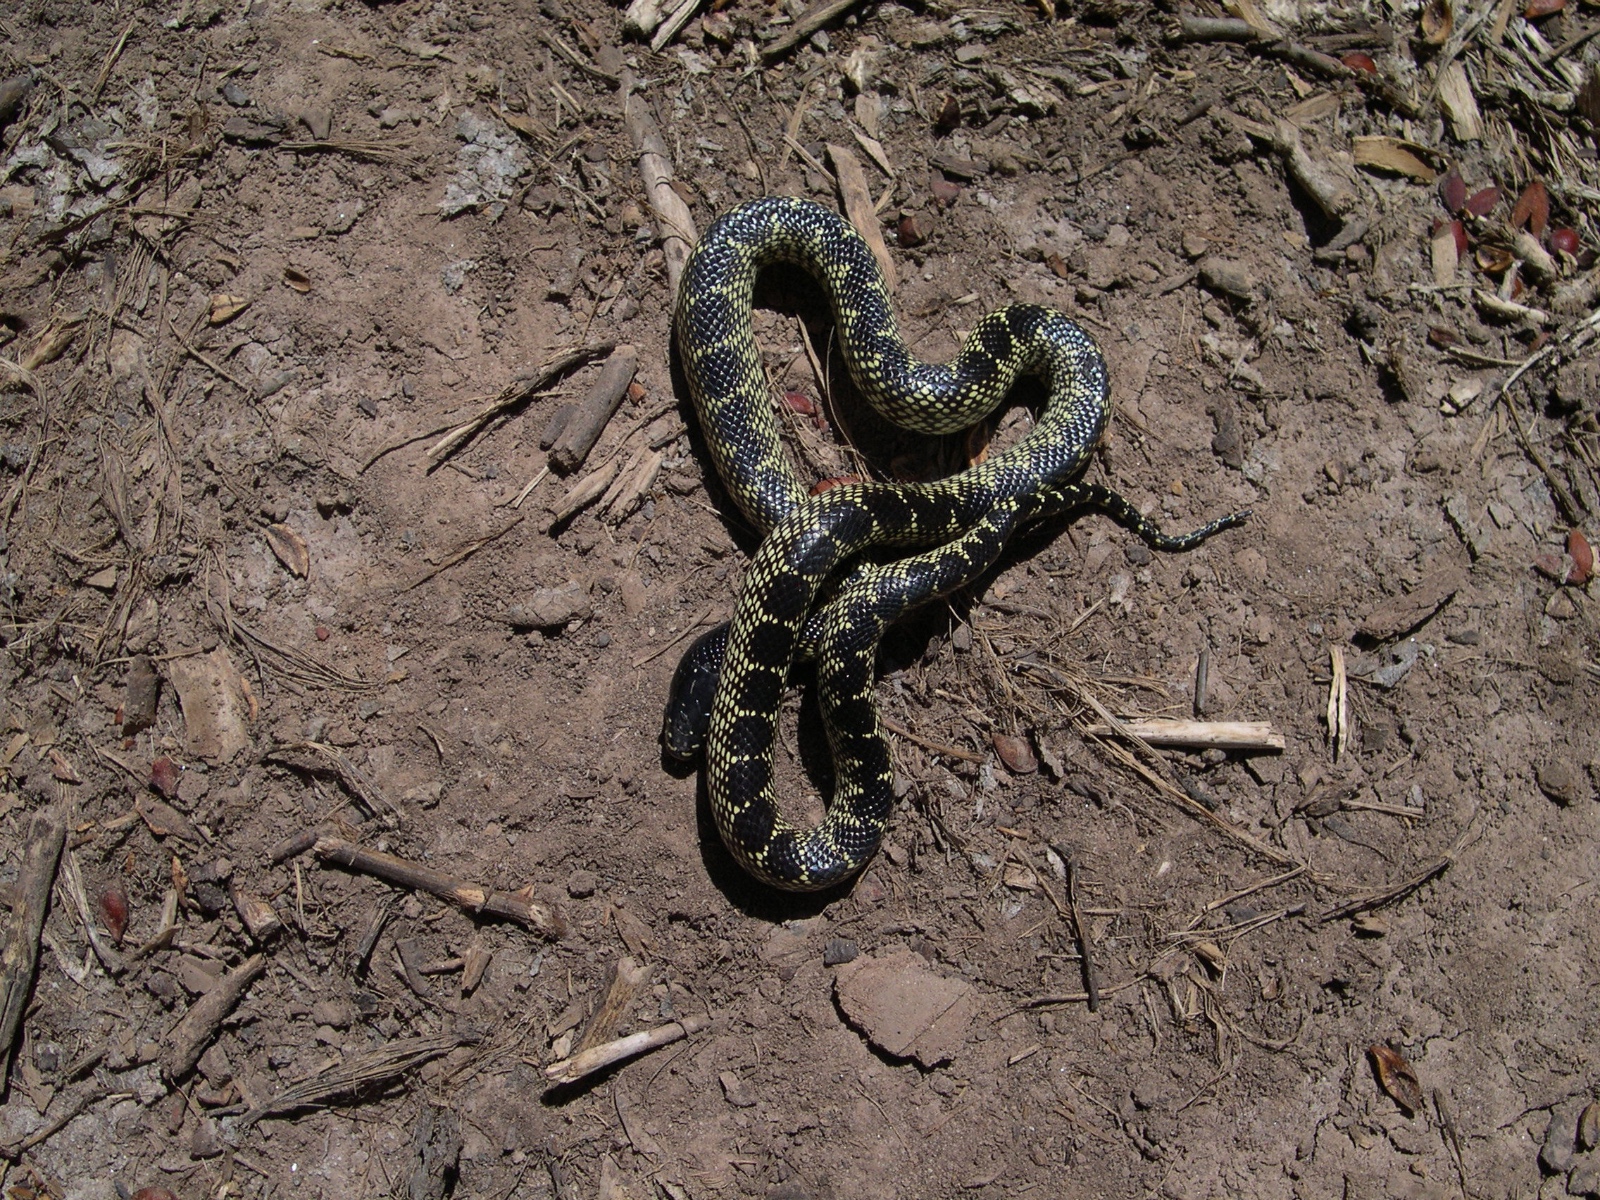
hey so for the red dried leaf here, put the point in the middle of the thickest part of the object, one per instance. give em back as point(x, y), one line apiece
point(1532, 209)
point(1443, 338)
point(113, 906)
point(1481, 203)
point(910, 232)
point(164, 777)
point(1543, 8)
point(799, 402)
point(1453, 191)
point(1397, 1077)
point(1015, 752)
point(1564, 240)
point(1556, 567)
point(1582, 557)
point(945, 191)
point(1358, 61)
point(823, 485)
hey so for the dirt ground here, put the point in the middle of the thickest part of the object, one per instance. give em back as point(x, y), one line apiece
point(262, 257)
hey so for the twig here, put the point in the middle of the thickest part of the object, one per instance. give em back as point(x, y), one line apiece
point(1091, 979)
point(514, 394)
point(570, 1070)
point(860, 208)
point(589, 419)
point(674, 223)
point(367, 793)
point(513, 906)
point(190, 1036)
point(956, 752)
point(687, 630)
point(811, 21)
point(360, 1071)
point(81, 1101)
point(1368, 901)
point(1224, 735)
point(466, 552)
point(47, 833)
point(71, 882)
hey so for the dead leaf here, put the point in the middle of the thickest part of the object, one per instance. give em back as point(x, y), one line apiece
point(1453, 191)
point(1020, 878)
point(1397, 1077)
point(1213, 956)
point(1536, 9)
point(1438, 20)
point(62, 769)
point(1371, 925)
point(290, 548)
point(1582, 557)
point(1481, 203)
point(225, 308)
point(1015, 753)
point(297, 280)
point(164, 777)
point(1494, 260)
point(1393, 154)
point(1532, 209)
point(166, 821)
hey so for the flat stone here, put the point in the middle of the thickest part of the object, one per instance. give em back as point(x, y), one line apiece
point(905, 1008)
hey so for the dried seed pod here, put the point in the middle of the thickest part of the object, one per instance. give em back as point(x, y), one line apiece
point(1397, 1077)
point(1582, 557)
point(1015, 752)
point(1358, 61)
point(1481, 203)
point(1453, 191)
point(113, 905)
point(1564, 240)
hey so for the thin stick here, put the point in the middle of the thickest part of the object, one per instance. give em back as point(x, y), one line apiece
point(1382, 896)
point(814, 19)
point(674, 222)
point(660, 650)
point(471, 897)
point(1257, 736)
point(570, 1070)
point(47, 833)
point(900, 730)
point(362, 1070)
point(1091, 979)
point(467, 551)
point(517, 393)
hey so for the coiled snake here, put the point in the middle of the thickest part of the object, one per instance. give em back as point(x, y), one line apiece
point(960, 524)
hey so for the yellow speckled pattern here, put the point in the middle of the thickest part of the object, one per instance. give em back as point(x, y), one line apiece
point(955, 527)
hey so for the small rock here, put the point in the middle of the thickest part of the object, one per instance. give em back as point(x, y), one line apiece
point(318, 123)
point(1560, 780)
point(735, 1090)
point(337, 1013)
point(1138, 554)
point(205, 1141)
point(1195, 246)
point(839, 950)
point(1230, 278)
point(581, 884)
point(235, 95)
point(905, 1008)
point(552, 608)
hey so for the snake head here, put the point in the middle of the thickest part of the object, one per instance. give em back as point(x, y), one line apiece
point(694, 686)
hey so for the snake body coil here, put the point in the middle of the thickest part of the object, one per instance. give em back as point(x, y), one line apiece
point(957, 526)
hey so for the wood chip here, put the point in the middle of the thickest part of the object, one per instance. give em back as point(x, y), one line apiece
point(1393, 154)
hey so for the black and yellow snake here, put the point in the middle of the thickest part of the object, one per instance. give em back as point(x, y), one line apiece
point(959, 524)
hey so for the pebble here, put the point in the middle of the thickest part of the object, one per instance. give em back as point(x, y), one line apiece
point(1559, 780)
point(839, 950)
point(551, 608)
point(581, 884)
point(235, 95)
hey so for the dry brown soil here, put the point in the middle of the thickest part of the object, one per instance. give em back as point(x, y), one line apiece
point(165, 469)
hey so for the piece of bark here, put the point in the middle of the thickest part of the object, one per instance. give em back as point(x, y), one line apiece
point(435, 1153)
point(809, 22)
point(474, 963)
point(1401, 614)
point(259, 917)
point(588, 422)
point(41, 853)
point(586, 491)
point(626, 978)
point(554, 426)
point(411, 964)
point(511, 905)
point(139, 703)
point(674, 223)
point(860, 208)
point(190, 1037)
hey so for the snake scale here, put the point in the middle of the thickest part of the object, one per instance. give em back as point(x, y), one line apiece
point(947, 532)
